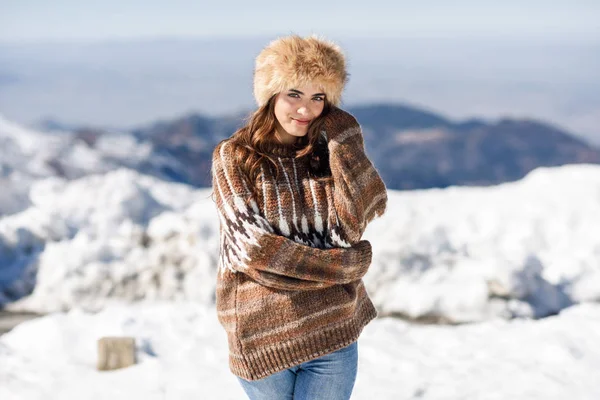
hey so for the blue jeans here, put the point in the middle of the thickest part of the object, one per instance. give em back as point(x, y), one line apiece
point(330, 377)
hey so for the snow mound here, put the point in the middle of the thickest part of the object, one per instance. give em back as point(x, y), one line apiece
point(526, 248)
point(121, 235)
point(523, 249)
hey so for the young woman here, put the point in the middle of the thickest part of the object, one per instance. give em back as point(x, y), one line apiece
point(295, 191)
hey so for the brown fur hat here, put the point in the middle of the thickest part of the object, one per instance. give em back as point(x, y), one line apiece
point(293, 61)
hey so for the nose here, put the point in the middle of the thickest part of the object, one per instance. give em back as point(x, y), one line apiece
point(303, 110)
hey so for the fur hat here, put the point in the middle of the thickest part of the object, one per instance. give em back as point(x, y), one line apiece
point(293, 61)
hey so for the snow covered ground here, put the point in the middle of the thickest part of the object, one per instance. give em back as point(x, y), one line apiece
point(182, 354)
point(119, 252)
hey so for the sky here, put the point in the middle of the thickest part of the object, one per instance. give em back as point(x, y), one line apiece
point(74, 20)
point(462, 58)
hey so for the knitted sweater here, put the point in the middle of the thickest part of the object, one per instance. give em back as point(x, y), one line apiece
point(289, 286)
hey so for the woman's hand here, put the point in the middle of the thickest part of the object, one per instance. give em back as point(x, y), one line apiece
point(338, 121)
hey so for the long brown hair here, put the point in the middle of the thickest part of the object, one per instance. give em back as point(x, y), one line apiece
point(256, 139)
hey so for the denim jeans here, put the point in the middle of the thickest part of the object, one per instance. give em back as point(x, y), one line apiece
point(330, 377)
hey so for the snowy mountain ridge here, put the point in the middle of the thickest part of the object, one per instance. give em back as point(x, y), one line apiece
point(27, 155)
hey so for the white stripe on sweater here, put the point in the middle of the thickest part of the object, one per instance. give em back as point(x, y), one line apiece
point(375, 200)
point(299, 322)
point(337, 240)
point(287, 178)
point(283, 225)
point(249, 307)
point(366, 176)
point(295, 173)
point(318, 218)
point(248, 193)
point(264, 190)
point(304, 220)
point(348, 133)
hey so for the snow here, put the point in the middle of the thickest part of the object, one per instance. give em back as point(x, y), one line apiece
point(522, 249)
point(119, 235)
point(117, 252)
point(182, 354)
point(535, 242)
point(27, 155)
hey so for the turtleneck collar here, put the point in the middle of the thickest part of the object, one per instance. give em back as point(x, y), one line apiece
point(284, 150)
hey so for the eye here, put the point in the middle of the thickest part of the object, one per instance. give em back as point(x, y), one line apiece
point(294, 95)
point(319, 98)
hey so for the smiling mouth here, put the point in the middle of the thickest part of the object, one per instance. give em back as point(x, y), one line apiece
point(302, 121)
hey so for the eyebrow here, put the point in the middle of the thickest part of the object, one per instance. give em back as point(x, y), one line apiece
point(299, 92)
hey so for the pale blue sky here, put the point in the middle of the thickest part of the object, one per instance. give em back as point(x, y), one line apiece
point(58, 20)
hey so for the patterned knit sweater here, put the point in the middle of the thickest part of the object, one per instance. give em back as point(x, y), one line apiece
point(289, 287)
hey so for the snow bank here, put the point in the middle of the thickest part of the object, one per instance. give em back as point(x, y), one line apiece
point(182, 353)
point(121, 236)
point(528, 248)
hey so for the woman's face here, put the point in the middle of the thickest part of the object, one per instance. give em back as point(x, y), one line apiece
point(295, 109)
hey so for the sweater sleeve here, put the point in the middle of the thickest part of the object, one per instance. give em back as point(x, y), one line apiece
point(360, 194)
point(249, 244)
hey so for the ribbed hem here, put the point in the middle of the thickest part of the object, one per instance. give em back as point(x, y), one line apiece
point(266, 361)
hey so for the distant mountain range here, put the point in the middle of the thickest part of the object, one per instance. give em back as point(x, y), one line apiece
point(412, 148)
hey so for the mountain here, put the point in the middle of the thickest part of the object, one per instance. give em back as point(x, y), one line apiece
point(27, 155)
point(190, 140)
point(412, 148)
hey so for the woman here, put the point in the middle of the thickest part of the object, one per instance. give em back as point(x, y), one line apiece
point(295, 191)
